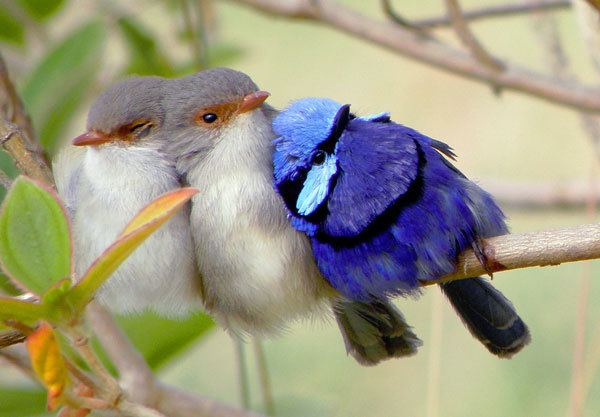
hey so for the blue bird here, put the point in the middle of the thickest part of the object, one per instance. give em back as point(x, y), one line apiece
point(385, 209)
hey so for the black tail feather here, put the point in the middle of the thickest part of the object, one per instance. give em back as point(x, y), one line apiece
point(489, 315)
point(374, 331)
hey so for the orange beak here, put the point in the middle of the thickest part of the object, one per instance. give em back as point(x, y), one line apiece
point(91, 138)
point(252, 101)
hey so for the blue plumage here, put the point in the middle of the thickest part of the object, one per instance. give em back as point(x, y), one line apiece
point(382, 205)
point(396, 211)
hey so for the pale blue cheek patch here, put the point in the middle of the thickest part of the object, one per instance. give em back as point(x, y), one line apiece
point(378, 117)
point(316, 186)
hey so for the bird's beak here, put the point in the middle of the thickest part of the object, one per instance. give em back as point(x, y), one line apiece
point(252, 101)
point(91, 138)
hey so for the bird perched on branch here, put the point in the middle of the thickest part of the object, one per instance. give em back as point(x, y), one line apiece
point(122, 168)
point(259, 271)
point(385, 209)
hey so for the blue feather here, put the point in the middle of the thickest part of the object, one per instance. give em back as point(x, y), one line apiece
point(394, 212)
point(316, 186)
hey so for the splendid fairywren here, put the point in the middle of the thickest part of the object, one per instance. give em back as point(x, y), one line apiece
point(384, 209)
point(258, 271)
point(122, 168)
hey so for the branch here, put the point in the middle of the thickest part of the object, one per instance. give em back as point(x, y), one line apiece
point(432, 52)
point(531, 195)
point(524, 250)
point(467, 37)
point(11, 337)
point(16, 133)
point(505, 10)
point(139, 382)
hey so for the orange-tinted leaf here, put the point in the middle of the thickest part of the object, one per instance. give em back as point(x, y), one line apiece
point(141, 227)
point(166, 203)
point(48, 363)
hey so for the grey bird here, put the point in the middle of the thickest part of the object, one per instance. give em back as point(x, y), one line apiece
point(106, 176)
point(258, 272)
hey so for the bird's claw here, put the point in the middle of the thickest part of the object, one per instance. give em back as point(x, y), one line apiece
point(479, 249)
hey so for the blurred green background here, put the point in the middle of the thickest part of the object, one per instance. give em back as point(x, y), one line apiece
point(62, 58)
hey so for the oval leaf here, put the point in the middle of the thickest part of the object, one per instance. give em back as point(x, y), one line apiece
point(48, 363)
point(145, 57)
point(139, 229)
point(11, 30)
point(59, 83)
point(41, 9)
point(35, 244)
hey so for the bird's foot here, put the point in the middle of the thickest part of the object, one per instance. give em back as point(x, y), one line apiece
point(479, 248)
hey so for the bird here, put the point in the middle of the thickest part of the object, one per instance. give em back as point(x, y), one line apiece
point(105, 177)
point(258, 272)
point(385, 209)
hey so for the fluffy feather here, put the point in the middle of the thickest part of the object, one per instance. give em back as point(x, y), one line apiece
point(397, 213)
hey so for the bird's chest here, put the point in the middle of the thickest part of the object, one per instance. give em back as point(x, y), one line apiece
point(257, 270)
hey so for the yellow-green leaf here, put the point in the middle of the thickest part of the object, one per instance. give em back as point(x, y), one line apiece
point(22, 311)
point(48, 363)
point(35, 244)
point(141, 227)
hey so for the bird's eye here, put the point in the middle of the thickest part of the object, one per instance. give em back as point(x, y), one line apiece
point(141, 129)
point(209, 117)
point(319, 158)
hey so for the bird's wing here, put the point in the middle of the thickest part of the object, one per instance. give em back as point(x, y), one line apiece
point(378, 163)
point(66, 167)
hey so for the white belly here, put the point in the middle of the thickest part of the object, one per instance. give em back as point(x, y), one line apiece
point(258, 271)
point(161, 274)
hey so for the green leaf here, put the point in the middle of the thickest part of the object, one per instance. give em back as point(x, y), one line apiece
point(22, 402)
point(159, 339)
point(41, 9)
point(35, 246)
point(145, 58)
point(22, 311)
point(7, 287)
point(139, 229)
point(11, 30)
point(63, 78)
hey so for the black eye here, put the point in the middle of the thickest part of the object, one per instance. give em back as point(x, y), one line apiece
point(319, 158)
point(209, 117)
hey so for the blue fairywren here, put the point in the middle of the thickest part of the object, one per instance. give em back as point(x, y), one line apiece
point(384, 210)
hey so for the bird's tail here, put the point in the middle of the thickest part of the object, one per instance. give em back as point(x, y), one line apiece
point(374, 331)
point(489, 315)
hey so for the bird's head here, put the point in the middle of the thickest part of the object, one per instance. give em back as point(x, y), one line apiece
point(211, 107)
point(305, 161)
point(129, 113)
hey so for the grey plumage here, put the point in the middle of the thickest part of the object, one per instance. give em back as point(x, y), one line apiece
point(258, 272)
point(104, 186)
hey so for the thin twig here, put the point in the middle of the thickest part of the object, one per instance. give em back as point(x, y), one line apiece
point(195, 33)
point(242, 365)
point(11, 337)
point(178, 403)
point(19, 359)
point(111, 390)
point(388, 9)
point(263, 376)
point(524, 250)
point(467, 37)
point(536, 195)
point(135, 375)
point(434, 363)
point(16, 132)
point(503, 10)
point(434, 53)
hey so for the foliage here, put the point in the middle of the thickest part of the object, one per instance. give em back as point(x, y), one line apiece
point(35, 251)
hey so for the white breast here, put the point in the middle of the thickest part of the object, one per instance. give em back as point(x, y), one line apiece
point(114, 183)
point(258, 271)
